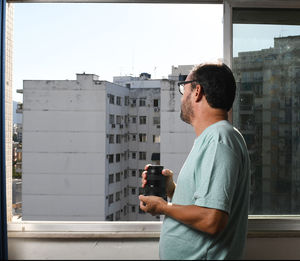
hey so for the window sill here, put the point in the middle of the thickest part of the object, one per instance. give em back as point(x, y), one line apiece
point(258, 227)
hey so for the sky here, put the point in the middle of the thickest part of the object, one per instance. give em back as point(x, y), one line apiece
point(56, 41)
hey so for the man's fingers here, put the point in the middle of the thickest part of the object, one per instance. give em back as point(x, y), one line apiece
point(167, 172)
point(147, 166)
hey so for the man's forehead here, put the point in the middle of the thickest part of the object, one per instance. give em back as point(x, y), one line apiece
point(190, 76)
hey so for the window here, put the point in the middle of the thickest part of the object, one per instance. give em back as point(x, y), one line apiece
point(125, 210)
point(133, 209)
point(111, 99)
point(133, 173)
point(265, 108)
point(118, 176)
point(133, 119)
point(126, 101)
point(125, 174)
point(110, 217)
point(118, 157)
point(118, 196)
point(156, 138)
point(133, 103)
point(155, 103)
point(118, 119)
point(111, 158)
point(142, 102)
point(125, 192)
point(118, 138)
point(133, 155)
point(111, 139)
point(111, 119)
point(142, 155)
point(111, 178)
point(143, 137)
point(143, 120)
point(133, 137)
point(133, 191)
point(110, 199)
point(118, 100)
point(156, 120)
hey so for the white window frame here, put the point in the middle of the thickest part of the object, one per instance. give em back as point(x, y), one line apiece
point(263, 225)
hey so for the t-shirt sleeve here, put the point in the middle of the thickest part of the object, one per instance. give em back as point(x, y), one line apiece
point(216, 177)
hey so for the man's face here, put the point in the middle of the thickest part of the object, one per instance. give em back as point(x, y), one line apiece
point(187, 113)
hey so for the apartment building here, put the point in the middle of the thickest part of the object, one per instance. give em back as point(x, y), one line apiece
point(85, 145)
point(267, 113)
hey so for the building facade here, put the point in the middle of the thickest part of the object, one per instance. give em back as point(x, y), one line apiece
point(267, 113)
point(85, 145)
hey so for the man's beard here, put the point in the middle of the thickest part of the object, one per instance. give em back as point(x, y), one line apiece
point(186, 112)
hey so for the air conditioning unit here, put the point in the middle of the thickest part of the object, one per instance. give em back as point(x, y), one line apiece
point(113, 125)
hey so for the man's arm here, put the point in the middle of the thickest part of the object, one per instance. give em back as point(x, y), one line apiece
point(208, 220)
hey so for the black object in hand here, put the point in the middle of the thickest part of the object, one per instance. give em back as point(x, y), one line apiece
point(156, 182)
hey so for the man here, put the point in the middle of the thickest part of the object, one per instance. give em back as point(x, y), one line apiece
point(208, 216)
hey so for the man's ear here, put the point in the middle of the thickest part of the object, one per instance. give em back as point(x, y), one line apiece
point(198, 93)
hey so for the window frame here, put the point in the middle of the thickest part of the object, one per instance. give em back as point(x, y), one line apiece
point(268, 225)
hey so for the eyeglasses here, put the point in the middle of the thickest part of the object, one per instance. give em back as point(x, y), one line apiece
point(181, 85)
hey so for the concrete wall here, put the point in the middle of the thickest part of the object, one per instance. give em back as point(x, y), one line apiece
point(64, 150)
point(133, 248)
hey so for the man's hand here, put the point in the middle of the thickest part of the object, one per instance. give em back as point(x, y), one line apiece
point(152, 204)
point(170, 185)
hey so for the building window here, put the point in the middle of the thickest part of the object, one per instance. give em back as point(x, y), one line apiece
point(156, 138)
point(126, 101)
point(143, 137)
point(111, 139)
point(265, 110)
point(111, 158)
point(156, 120)
point(142, 102)
point(110, 217)
point(118, 119)
point(133, 119)
point(133, 209)
point(125, 192)
point(155, 103)
point(118, 100)
point(133, 137)
point(118, 138)
point(118, 176)
point(118, 196)
point(118, 157)
point(111, 99)
point(111, 119)
point(142, 155)
point(125, 174)
point(126, 137)
point(133, 103)
point(133, 191)
point(110, 199)
point(133, 173)
point(143, 120)
point(111, 178)
point(125, 210)
point(133, 155)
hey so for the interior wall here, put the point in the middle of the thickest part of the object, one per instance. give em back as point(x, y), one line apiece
point(133, 248)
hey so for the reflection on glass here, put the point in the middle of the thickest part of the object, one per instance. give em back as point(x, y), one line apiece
point(267, 113)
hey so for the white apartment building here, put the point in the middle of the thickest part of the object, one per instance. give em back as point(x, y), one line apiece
point(177, 137)
point(85, 144)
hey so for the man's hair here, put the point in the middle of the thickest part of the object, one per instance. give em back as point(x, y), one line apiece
point(218, 84)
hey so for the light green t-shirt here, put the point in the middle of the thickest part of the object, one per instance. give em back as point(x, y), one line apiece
point(216, 174)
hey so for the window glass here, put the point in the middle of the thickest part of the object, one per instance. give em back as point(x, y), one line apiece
point(87, 95)
point(266, 65)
